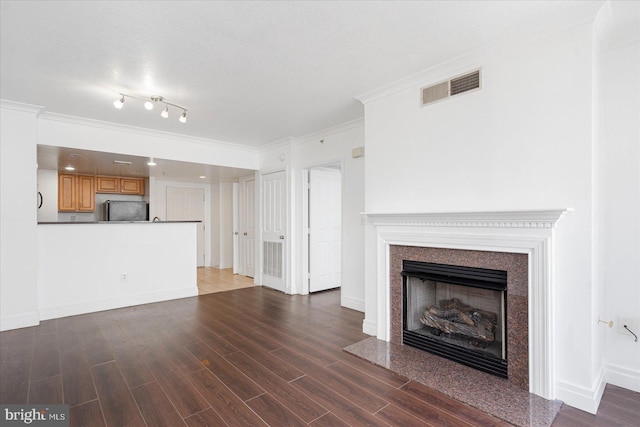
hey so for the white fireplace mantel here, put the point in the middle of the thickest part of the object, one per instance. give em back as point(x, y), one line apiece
point(529, 232)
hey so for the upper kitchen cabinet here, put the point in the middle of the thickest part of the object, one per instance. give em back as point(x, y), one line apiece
point(76, 193)
point(118, 185)
point(132, 186)
point(107, 184)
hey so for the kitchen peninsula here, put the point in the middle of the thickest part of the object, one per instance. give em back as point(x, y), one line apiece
point(92, 266)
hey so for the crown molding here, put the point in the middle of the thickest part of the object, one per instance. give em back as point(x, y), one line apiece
point(56, 117)
point(499, 219)
point(342, 127)
point(278, 143)
point(20, 106)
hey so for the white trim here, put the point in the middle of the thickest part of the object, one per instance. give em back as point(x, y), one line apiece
point(585, 399)
point(369, 327)
point(622, 377)
point(18, 321)
point(342, 127)
point(528, 232)
point(120, 302)
point(55, 117)
point(503, 219)
point(20, 106)
point(352, 303)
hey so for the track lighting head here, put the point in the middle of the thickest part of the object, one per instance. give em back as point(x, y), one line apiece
point(151, 102)
point(119, 103)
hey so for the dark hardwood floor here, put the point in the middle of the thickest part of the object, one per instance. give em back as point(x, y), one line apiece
point(245, 357)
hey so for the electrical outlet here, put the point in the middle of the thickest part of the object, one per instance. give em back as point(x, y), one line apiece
point(124, 277)
point(632, 323)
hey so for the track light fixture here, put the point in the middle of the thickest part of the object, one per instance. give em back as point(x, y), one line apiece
point(119, 103)
point(150, 102)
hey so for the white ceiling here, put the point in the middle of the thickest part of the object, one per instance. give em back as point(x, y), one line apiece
point(249, 72)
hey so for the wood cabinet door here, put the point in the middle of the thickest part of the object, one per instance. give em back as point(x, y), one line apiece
point(132, 186)
point(67, 193)
point(86, 201)
point(107, 184)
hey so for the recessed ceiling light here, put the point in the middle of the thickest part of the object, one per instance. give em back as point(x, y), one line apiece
point(69, 168)
point(203, 177)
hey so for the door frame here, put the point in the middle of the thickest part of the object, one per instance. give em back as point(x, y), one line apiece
point(305, 216)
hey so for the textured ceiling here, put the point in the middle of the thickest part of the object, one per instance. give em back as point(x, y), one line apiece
point(248, 72)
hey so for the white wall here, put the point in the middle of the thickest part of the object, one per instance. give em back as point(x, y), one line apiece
point(18, 218)
point(522, 142)
point(621, 204)
point(296, 154)
point(63, 131)
point(336, 146)
point(73, 280)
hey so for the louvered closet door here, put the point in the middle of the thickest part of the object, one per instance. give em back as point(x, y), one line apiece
point(273, 230)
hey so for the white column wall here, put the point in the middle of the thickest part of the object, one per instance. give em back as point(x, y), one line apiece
point(293, 156)
point(522, 142)
point(621, 210)
point(18, 217)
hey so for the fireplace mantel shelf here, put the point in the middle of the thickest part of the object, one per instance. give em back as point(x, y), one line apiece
point(499, 219)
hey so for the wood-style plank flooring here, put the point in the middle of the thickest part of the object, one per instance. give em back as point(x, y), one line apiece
point(212, 280)
point(246, 357)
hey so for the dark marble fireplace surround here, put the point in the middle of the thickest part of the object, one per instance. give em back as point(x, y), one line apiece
point(514, 264)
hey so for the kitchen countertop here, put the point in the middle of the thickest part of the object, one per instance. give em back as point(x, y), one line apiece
point(114, 222)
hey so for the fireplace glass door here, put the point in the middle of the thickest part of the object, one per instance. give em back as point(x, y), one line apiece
point(458, 313)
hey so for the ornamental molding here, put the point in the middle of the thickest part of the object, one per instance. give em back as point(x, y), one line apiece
point(499, 219)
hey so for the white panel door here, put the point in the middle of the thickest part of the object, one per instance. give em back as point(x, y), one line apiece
point(273, 230)
point(247, 227)
point(187, 204)
point(325, 229)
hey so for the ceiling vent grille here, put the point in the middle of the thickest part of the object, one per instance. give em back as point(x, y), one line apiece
point(455, 86)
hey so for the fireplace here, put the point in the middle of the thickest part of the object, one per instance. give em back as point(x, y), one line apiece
point(456, 312)
point(518, 242)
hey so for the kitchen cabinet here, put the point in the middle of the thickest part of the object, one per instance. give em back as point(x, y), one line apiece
point(107, 184)
point(76, 193)
point(132, 186)
point(119, 185)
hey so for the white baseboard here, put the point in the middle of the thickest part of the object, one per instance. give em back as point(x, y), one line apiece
point(128, 301)
point(586, 399)
point(369, 327)
point(622, 377)
point(18, 321)
point(352, 303)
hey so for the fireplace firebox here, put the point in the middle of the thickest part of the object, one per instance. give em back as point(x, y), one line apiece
point(457, 312)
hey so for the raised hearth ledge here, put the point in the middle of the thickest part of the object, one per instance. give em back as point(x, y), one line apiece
point(529, 232)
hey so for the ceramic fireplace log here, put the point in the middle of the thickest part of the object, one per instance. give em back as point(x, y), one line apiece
point(476, 324)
